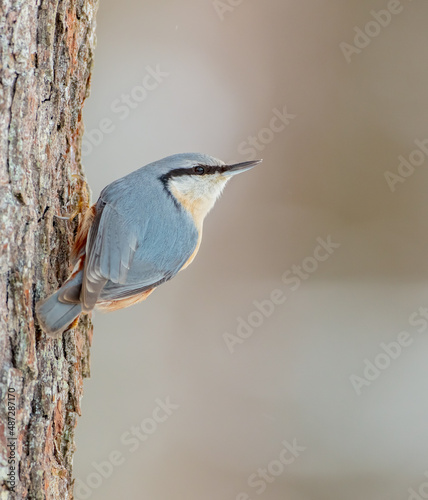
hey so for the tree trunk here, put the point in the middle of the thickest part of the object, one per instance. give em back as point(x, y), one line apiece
point(46, 52)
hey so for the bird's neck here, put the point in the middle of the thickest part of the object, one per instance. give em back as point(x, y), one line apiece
point(197, 203)
point(197, 207)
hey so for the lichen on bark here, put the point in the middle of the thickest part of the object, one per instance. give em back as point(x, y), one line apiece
point(46, 54)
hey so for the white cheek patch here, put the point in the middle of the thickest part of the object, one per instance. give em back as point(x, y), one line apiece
point(195, 187)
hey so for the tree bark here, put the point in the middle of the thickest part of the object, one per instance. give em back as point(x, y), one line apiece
point(46, 53)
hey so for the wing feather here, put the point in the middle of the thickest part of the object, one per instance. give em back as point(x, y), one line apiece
point(111, 247)
point(132, 249)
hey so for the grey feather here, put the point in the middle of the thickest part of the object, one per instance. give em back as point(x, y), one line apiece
point(55, 315)
point(139, 239)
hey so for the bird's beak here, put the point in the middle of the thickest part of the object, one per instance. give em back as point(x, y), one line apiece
point(238, 168)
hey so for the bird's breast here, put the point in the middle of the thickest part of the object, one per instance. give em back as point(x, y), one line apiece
point(197, 207)
point(190, 259)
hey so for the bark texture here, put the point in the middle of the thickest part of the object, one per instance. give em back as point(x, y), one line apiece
point(46, 52)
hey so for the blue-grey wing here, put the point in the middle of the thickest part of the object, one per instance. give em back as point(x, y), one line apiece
point(161, 255)
point(110, 251)
point(130, 249)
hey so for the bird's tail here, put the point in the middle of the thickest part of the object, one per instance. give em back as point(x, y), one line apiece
point(59, 310)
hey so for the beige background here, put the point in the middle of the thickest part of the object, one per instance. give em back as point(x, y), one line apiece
point(322, 175)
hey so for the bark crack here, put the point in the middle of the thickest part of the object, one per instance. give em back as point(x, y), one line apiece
point(13, 92)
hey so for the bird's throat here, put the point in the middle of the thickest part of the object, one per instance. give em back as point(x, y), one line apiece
point(197, 202)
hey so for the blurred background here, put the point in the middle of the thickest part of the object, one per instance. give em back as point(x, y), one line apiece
point(290, 360)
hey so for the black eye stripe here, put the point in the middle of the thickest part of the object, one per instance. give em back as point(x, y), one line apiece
point(206, 169)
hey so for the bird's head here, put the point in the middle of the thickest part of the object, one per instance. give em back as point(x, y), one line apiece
point(197, 180)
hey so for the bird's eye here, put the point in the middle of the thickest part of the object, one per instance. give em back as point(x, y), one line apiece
point(199, 170)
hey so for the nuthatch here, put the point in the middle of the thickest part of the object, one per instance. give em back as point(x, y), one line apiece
point(143, 230)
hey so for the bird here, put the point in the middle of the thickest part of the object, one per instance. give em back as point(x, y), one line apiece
point(144, 229)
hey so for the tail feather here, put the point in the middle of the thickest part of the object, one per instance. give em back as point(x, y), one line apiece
point(54, 315)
